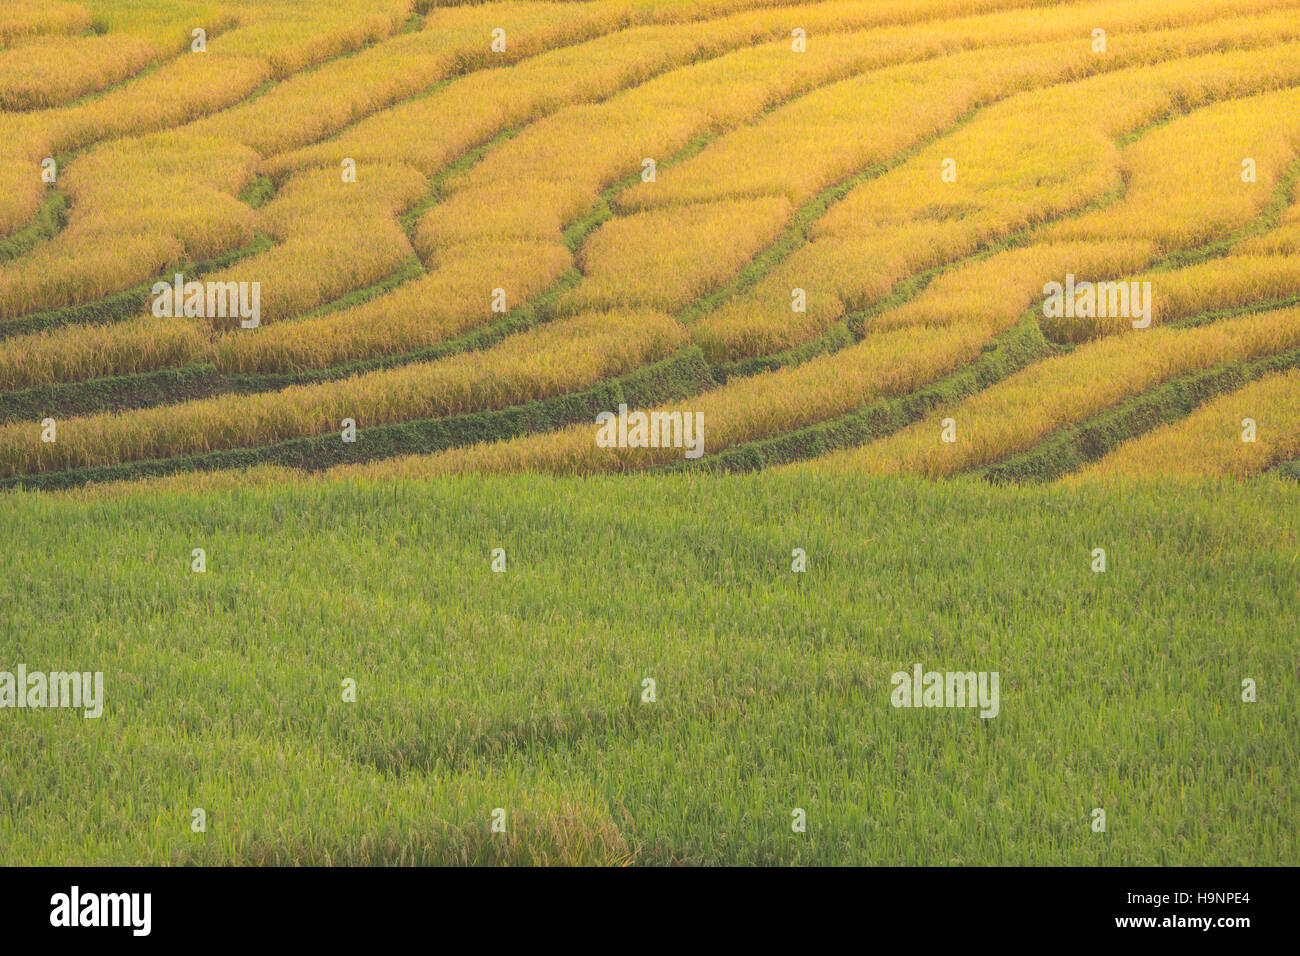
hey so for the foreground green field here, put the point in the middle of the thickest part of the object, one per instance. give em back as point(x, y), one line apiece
point(228, 229)
point(522, 690)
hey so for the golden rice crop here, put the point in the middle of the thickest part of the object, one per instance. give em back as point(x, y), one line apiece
point(827, 132)
point(999, 288)
point(597, 87)
point(667, 257)
point(613, 137)
point(1225, 283)
point(489, 210)
point(138, 206)
point(745, 409)
point(541, 84)
point(21, 194)
point(1284, 239)
point(1012, 415)
point(179, 90)
point(330, 237)
point(22, 22)
point(836, 276)
point(1182, 197)
point(820, 138)
point(188, 86)
point(483, 204)
point(308, 106)
point(289, 252)
point(524, 92)
point(292, 36)
point(1046, 139)
point(762, 320)
point(49, 279)
point(1208, 442)
point(1041, 154)
point(908, 220)
point(454, 297)
point(93, 351)
point(560, 357)
point(166, 24)
point(171, 94)
point(311, 105)
point(52, 70)
point(191, 86)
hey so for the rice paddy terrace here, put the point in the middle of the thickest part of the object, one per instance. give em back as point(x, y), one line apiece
point(376, 376)
point(1025, 241)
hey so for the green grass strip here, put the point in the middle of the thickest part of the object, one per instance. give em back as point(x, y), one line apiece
point(1289, 469)
point(49, 220)
point(838, 336)
point(1232, 312)
point(119, 393)
point(258, 192)
point(410, 270)
point(437, 184)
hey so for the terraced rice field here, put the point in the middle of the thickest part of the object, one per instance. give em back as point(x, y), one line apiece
point(339, 292)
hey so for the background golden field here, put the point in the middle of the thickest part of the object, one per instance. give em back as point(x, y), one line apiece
point(448, 212)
